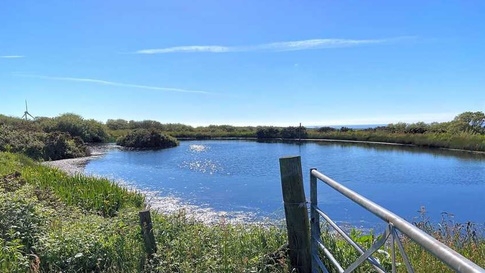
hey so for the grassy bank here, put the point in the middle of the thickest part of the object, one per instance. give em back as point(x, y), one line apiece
point(461, 141)
point(65, 136)
point(52, 222)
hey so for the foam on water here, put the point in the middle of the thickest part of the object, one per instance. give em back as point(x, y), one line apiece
point(197, 148)
point(174, 205)
point(168, 204)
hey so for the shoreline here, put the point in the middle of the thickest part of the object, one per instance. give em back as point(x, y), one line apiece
point(332, 140)
point(391, 144)
point(71, 166)
point(167, 205)
point(164, 204)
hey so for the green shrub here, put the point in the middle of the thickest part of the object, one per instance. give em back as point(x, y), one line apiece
point(59, 145)
point(41, 146)
point(147, 139)
point(268, 132)
point(76, 126)
point(12, 258)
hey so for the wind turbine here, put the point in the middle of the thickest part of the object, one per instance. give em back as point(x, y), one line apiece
point(26, 113)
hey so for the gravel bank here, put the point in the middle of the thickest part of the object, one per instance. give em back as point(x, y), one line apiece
point(76, 165)
point(71, 166)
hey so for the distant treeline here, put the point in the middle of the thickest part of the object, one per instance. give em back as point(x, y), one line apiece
point(466, 131)
point(66, 136)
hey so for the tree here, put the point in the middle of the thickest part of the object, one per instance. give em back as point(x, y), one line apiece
point(294, 132)
point(471, 122)
point(346, 129)
point(417, 128)
point(399, 127)
point(267, 132)
point(88, 130)
point(117, 124)
point(326, 129)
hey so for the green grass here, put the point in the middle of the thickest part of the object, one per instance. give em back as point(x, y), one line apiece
point(462, 141)
point(51, 222)
point(189, 246)
point(96, 195)
point(467, 239)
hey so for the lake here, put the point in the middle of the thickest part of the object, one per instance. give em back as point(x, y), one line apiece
point(241, 178)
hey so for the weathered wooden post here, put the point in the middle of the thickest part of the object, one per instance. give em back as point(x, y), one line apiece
point(296, 213)
point(147, 232)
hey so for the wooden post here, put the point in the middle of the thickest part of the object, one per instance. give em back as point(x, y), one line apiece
point(296, 213)
point(147, 232)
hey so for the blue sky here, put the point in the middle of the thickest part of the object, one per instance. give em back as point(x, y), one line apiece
point(244, 62)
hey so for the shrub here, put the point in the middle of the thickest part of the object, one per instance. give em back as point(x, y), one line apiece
point(41, 146)
point(294, 132)
point(75, 125)
point(147, 139)
point(60, 145)
point(267, 132)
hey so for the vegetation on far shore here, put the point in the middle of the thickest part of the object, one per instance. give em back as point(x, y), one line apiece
point(466, 131)
point(147, 139)
point(53, 222)
point(66, 136)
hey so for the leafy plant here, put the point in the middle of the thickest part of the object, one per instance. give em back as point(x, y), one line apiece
point(147, 139)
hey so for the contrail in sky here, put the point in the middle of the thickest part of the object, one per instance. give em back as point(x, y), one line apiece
point(272, 47)
point(110, 83)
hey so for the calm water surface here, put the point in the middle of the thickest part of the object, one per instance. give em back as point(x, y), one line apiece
point(243, 176)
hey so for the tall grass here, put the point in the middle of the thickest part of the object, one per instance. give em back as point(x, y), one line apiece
point(186, 245)
point(52, 222)
point(467, 239)
point(98, 195)
point(463, 141)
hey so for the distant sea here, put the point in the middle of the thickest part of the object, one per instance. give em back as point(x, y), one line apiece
point(361, 126)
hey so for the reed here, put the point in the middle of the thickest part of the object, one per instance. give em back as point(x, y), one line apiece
point(465, 238)
point(98, 195)
point(52, 222)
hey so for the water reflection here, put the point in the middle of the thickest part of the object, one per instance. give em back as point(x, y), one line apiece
point(244, 176)
point(462, 155)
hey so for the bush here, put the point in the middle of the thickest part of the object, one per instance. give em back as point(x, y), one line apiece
point(267, 132)
point(40, 145)
point(294, 132)
point(147, 139)
point(75, 125)
point(60, 145)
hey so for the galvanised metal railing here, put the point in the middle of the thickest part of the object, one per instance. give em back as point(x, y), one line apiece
point(395, 224)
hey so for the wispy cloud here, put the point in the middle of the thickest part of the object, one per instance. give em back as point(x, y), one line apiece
point(11, 56)
point(110, 83)
point(212, 49)
point(272, 47)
